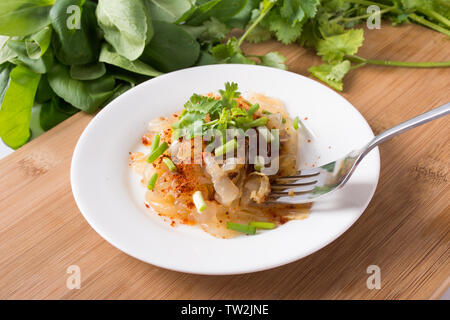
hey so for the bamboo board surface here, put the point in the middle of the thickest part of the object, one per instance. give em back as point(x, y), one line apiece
point(405, 229)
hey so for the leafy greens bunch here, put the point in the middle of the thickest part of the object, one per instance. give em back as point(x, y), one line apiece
point(328, 26)
point(58, 57)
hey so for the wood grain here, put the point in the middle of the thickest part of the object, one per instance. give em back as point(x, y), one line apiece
point(405, 229)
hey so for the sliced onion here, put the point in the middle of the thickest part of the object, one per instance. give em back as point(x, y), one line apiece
point(180, 151)
point(226, 190)
point(232, 165)
point(158, 124)
point(256, 188)
point(274, 121)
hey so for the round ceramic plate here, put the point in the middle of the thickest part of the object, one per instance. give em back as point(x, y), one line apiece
point(111, 198)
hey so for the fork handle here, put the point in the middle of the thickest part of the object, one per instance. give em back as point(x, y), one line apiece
point(407, 125)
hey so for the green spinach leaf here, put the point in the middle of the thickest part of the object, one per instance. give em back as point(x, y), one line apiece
point(38, 43)
point(5, 70)
point(15, 112)
point(84, 95)
point(168, 10)
point(54, 112)
point(76, 45)
point(223, 10)
point(88, 71)
point(108, 55)
point(171, 48)
point(24, 17)
point(44, 92)
point(6, 54)
point(126, 24)
point(40, 65)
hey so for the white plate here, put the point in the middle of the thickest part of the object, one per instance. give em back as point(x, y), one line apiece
point(111, 198)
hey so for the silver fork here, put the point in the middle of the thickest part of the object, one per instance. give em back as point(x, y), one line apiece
point(311, 184)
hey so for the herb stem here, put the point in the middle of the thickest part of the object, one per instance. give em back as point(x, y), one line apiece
point(362, 16)
point(429, 24)
point(256, 123)
point(368, 3)
point(436, 16)
point(406, 64)
point(261, 16)
point(357, 65)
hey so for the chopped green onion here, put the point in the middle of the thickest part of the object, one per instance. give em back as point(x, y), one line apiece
point(241, 228)
point(199, 202)
point(169, 163)
point(152, 181)
point(257, 123)
point(253, 109)
point(225, 148)
point(157, 152)
point(296, 123)
point(266, 112)
point(262, 225)
point(259, 163)
point(155, 142)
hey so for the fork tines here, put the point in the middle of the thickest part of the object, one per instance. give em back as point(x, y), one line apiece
point(290, 185)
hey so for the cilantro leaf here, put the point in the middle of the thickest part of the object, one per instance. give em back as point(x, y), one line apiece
point(310, 34)
point(283, 29)
point(274, 59)
point(297, 10)
point(215, 30)
point(188, 118)
point(203, 105)
point(331, 74)
point(259, 34)
point(229, 94)
point(332, 49)
point(239, 57)
point(210, 31)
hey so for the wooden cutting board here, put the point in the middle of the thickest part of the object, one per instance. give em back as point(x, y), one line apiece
point(404, 231)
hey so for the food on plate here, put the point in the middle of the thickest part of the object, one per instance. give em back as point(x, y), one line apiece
point(211, 163)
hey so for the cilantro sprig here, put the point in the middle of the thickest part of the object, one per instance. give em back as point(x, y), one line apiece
point(328, 25)
point(202, 113)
